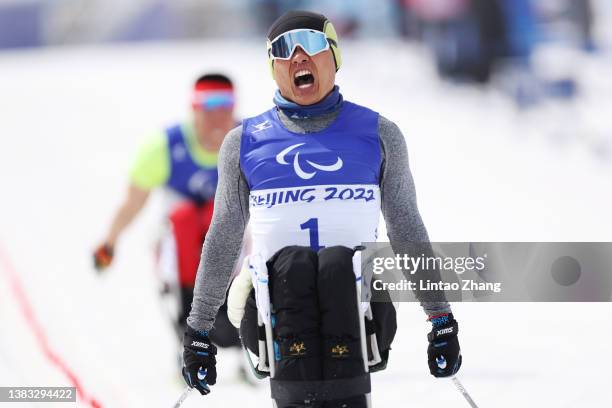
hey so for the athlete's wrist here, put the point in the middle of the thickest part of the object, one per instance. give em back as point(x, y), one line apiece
point(111, 239)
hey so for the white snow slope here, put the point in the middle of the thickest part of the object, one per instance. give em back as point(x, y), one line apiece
point(70, 123)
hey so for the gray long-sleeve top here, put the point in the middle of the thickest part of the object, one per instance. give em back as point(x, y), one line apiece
point(224, 239)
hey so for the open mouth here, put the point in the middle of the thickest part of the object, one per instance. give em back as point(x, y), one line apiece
point(303, 78)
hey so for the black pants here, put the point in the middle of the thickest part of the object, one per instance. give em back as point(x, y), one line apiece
point(315, 319)
point(223, 334)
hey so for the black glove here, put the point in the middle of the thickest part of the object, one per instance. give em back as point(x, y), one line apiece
point(199, 363)
point(443, 353)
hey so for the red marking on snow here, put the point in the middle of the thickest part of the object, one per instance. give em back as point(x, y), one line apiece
point(39, 333)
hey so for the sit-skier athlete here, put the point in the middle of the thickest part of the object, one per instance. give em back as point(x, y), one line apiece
point(282, 172)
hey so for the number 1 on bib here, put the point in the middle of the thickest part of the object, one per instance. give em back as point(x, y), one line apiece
point(312, 225)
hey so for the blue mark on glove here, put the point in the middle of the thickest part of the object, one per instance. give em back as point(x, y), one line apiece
point(441, 362)
point(202, 373)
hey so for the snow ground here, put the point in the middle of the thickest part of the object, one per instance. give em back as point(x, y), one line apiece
point(71, 120)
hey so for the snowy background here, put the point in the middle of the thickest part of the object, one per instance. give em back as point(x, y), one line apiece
point(72, 118)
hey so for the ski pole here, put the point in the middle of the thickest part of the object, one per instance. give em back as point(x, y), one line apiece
point(463, 391)
point(183, 397)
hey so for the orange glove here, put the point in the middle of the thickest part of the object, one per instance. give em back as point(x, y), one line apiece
point(103, 257)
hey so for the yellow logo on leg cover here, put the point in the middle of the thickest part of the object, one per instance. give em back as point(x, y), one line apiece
point(339, 350)
point(297, 349)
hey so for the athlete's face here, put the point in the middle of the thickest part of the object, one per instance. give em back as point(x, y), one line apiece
point(212, 126)
point(303, 79)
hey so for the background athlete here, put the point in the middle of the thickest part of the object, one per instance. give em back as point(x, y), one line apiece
point(182, 160)
point(311, 176)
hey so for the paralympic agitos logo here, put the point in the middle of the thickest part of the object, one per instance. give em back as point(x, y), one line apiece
point(301, 173)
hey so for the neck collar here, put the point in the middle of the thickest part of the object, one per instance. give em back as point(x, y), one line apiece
point(328, 104)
